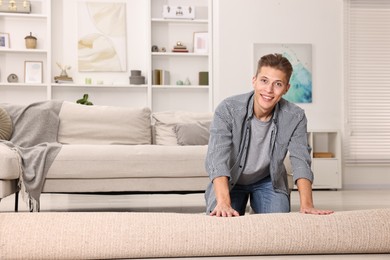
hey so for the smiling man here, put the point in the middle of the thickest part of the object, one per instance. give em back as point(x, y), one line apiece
point(249, 138)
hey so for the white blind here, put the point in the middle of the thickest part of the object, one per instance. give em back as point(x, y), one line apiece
point(367, 76)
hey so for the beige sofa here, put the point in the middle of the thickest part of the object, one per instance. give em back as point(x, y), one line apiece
point(112, 149)
point(116, 149)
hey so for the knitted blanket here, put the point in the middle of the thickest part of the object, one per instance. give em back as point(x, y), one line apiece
point(35, 139)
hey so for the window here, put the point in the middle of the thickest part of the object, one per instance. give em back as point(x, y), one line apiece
point(367, 81)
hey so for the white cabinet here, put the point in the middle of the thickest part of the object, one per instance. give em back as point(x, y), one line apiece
point(180, 67)
point(326, 159)
point(12, 59)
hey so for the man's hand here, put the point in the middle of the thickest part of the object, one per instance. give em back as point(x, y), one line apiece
point(306, 199)
point(224, 210)
point(315, 211)
point(224, 206)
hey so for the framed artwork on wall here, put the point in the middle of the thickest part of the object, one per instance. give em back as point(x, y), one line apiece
point(33, 72)
point(102, 37)
point(201, 44)
point(4, 40)
point(300, 57)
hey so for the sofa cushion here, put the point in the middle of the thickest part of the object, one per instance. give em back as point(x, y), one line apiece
point(128, 161)
point(10, 167)
point(80, 124)
point(5, 125)
point(165, 123)
point(193, 133)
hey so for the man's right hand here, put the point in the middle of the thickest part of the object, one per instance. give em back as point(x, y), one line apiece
point(223, 208)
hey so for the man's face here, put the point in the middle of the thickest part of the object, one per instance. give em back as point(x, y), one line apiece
point(270, 85)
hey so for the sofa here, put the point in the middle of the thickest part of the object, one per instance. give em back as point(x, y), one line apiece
point(111, 149)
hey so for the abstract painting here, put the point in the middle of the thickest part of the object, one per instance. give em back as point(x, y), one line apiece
point(300, 57)
point(102, 37)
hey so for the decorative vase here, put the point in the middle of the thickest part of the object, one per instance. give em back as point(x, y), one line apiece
point(136, 78)
point(31, 41)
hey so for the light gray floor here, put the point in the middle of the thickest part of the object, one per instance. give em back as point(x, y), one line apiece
point(343, 200)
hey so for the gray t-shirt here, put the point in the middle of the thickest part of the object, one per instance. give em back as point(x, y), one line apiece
point(258, 160)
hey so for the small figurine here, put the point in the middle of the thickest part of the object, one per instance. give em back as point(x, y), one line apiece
point(187, 81)
point(63, 77)
point(63, 69)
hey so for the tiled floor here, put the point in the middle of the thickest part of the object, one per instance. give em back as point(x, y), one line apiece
point(193, 203)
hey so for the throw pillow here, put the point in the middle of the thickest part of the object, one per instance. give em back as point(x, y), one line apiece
point(165, 122)
point(104, 125)
point(5, 125)
point(193, 133)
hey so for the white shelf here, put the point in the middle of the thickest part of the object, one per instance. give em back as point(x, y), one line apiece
point(326, 170)
point(10, 50)
point(75, 85)
point(162, 20)
point(182, 66)
point(55, 33)
point(21, 84)
point(180, 87)
point(180, 54)
point(23, 15)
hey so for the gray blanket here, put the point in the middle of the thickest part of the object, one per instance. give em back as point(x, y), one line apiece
point(34, 137)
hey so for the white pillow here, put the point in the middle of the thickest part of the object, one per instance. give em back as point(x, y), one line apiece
point(165, 123)
point(81, 124)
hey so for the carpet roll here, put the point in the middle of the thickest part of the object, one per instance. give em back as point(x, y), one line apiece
point(107, 235)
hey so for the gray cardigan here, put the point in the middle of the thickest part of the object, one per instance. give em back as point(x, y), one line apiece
point(229, 139)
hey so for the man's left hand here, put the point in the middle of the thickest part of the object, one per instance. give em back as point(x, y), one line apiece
point(315, 211)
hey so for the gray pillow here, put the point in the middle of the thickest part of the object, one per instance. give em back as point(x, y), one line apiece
point(5, 125)
point(197, 133)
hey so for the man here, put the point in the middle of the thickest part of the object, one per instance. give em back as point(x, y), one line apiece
point(249, 139)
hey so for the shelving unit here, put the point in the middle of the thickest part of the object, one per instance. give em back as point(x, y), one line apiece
point(57, 43)
point(326, 159)
point(19, 25)
point(165, 33)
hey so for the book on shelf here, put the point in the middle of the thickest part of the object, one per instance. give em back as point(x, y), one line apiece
point(63, 79)
point(179, 50)
point(160, 77)
point(179, 47)
point(323, 155)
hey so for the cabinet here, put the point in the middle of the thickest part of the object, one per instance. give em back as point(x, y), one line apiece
point(12, 59)
point(326, 159)
point(180, 66)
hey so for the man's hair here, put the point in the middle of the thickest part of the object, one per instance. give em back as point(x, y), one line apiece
point(276, 61)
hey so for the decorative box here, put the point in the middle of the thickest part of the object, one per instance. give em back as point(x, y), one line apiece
point(17, 6)
point(178, 12)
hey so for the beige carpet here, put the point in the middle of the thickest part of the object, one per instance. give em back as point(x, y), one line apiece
point(107, 235)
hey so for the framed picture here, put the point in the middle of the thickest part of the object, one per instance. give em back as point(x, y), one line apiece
point(201, 42)
point(33, 72)
point(4, 40)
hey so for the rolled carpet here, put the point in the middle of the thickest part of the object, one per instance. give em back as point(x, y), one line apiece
point(107, 235)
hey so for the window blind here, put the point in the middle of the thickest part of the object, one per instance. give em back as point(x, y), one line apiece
point(367, 81)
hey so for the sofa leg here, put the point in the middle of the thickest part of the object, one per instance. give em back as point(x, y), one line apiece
point(17, 201)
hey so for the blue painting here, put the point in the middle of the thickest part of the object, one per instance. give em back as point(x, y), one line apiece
point(300, 57)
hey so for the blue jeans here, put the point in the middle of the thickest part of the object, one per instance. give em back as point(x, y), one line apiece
point(263, 198)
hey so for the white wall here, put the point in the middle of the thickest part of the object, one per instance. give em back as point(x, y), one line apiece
point(239, 24)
